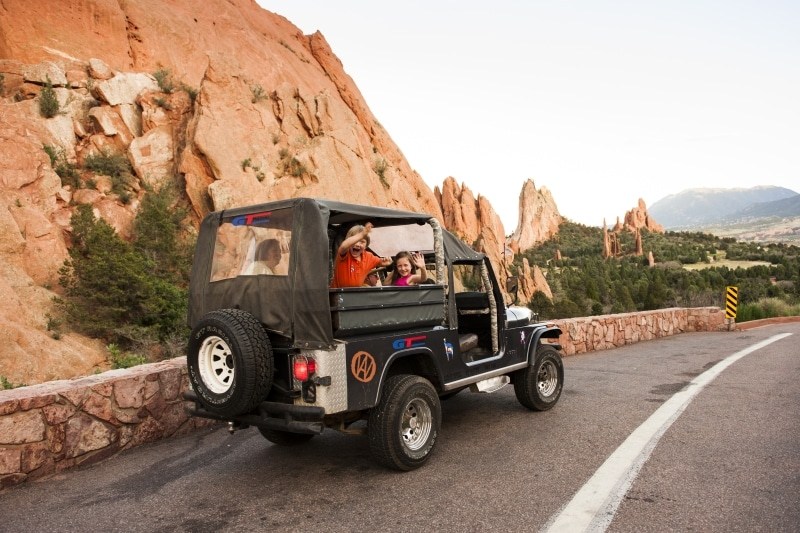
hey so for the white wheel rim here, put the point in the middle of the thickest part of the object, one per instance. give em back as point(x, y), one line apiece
point(547, 379)
point(416, 424)
point(215, 362)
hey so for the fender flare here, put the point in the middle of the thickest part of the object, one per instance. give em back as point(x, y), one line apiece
point(548, 331)
point(424, 353)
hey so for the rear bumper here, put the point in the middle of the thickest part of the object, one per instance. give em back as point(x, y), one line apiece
point(271, 415)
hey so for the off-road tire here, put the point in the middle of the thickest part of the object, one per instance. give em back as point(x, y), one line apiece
point(285, 438)
point(539, 385)
point(404, 426)
point(230, 362)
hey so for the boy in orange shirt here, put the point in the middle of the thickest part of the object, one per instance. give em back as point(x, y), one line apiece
point(353, 260)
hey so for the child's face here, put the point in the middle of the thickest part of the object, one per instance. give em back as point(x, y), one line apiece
point(403, 266)
point(358, 247)
point(273, 257)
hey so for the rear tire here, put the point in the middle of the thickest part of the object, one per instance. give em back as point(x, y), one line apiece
point(285, 438)
point(538, 386)
point(230, 362)
point(405, 424)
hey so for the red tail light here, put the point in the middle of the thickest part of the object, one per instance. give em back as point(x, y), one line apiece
point(303, 368)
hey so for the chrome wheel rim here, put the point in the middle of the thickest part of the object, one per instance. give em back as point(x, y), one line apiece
point(215, 362)
point(547, 379)
point(416, 425)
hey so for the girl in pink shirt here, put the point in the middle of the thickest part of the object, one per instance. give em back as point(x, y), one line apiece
point(409, 269)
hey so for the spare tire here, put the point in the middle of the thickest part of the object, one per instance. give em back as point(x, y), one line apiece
point(230, 362)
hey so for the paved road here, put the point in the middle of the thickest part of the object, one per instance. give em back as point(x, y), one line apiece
point(729, 462)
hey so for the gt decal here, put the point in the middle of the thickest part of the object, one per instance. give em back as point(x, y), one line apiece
point(363, 367)
point(409, 342)
point(255, 219)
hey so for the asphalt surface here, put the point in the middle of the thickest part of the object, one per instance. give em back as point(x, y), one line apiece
point(729, 462)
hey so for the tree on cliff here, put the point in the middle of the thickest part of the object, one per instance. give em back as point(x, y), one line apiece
point(119, 292)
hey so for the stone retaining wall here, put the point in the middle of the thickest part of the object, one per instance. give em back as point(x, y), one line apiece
point(54, 426)
point(587, 334)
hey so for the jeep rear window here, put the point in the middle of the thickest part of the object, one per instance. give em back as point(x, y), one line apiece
point(253, 244)
point(386, 241)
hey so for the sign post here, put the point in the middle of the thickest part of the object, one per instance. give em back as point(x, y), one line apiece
point(731, 303)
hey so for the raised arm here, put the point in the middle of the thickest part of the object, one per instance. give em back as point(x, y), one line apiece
point(350, 241)
point(422, 273)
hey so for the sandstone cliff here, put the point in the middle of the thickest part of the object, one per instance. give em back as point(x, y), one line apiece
point(538, 217)
point(228, 101)
point(638, 218)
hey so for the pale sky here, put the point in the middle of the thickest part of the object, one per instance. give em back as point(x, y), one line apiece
point(601, 102)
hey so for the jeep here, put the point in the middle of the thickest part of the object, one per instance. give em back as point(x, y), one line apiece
point(279, 349)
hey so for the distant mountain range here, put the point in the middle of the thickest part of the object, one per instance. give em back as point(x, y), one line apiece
point(764, 213)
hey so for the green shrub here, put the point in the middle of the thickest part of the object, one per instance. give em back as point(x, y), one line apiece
point(380, 166)
point(290, 165)
point(53, 325)
point(258, 94)
point(48, 102)
point(191, 91)
point(165, 80)
point(68, 172)
point(114, 165)
point(766, 308)
point(157, 236)
point(122, 359)
point(162, 103)
point(111, 286)
point(108, 163)
point(296, 168)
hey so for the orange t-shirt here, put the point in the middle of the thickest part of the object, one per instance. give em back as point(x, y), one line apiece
point(350, 272)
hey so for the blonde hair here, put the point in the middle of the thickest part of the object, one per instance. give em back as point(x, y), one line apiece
point(355, 230)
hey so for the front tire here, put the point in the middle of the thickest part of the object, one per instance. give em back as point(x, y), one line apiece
point(538, 386)
point(230, 362)
point(405, 424)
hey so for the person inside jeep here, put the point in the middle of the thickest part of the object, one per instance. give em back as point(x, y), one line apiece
point(409, 269)
point(267, 256)
point(353, 261)
point(373, 278)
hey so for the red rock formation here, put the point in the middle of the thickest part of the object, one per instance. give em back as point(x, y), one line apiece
point(226, 99)
point(475, 222)
point(639, 252)
point(606, 242)
point(539, 218)
point(247, 87)
point(638, 218)
point(531, 281)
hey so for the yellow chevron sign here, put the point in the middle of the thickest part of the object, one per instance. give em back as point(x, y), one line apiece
point(731, 301)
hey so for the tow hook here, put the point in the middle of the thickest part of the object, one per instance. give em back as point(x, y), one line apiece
point(233, 426)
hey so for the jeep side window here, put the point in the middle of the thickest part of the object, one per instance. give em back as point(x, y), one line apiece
point(253, 244)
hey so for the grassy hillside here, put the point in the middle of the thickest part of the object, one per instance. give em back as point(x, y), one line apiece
point(692, 269)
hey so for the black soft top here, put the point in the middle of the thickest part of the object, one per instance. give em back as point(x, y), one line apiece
point(298, 305)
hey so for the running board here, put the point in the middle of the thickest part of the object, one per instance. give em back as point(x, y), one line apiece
point(490, 385)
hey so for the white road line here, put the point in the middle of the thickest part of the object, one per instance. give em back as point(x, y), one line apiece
point(593, 506)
